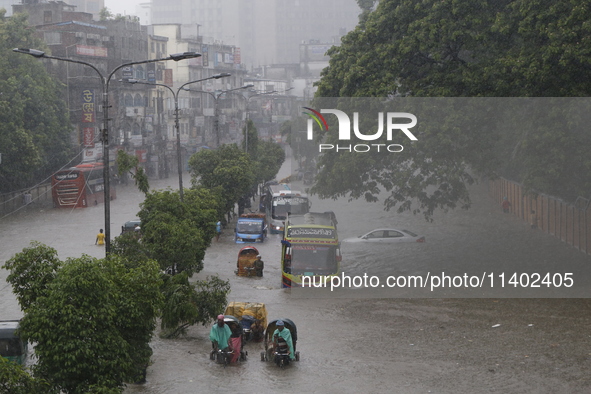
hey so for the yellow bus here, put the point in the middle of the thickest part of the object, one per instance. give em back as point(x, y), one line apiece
point(310, 247)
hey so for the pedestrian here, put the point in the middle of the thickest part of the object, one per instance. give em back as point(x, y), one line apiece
point(27, 198)
point(533, 219)
point(218, 230)
point(100, 238)
point(506, 205)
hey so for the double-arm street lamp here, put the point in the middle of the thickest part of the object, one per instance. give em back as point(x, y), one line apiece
point(105, 132)
point(247, 113)
point(216, 96)
point(175, 95)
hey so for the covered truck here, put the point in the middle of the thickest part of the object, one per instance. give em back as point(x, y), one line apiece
point(251, 227)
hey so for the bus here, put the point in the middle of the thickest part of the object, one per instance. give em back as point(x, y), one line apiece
point(12, 347)
point(79, 186)
point(310, 247)
point(280, 200)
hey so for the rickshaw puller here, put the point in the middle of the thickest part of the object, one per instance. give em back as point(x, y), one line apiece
point(284, 333)
point(220, 335)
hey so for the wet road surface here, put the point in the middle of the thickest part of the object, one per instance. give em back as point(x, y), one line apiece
point(366, 343)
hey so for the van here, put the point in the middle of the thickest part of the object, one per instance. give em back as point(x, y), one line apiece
point(11, 346)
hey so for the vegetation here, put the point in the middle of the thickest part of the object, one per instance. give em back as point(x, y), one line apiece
point(176, 233)
point(91, 320)
point(462, 48)
point(34, 124)
point(130, 165)
point(187, 304)
point(267, 156)
point(15, 380)
point(227, 167)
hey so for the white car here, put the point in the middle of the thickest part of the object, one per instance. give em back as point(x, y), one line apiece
point(387, 235)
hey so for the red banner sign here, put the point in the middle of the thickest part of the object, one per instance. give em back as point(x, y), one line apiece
point(88, 137)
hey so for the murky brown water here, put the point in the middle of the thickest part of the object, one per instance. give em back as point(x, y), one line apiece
point(360, 344)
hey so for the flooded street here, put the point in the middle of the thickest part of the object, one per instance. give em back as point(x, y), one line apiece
point(369, 340)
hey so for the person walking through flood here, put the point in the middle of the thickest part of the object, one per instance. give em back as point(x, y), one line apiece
point(506, 205)
point(100, 238)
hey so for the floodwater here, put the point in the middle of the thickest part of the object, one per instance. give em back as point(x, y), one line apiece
point(342, 339)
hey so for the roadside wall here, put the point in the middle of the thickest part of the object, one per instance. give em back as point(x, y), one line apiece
point(570, 223)
point(14, 201)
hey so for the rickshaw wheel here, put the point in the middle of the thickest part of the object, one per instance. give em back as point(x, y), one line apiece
point(297, 356)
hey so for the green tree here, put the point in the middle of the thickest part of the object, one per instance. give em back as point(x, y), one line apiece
point(93, 320)
point(15, 380)
point(129, 246)
point(269, 160)
point(34, 125)
point(267, 156)
point(187, 304)
point(105, 14)
point(227, 167)
point(462, 48)
point(31, 271)
point(177, 233)
point(130, 165)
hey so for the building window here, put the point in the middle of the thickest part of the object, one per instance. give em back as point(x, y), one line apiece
point(137, 100)
point(47, 17)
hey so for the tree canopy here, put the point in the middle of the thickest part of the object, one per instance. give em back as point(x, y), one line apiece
point(34, 124)
point(227, 167)
point(464, 48)
point(177, 233)
point(91, 320)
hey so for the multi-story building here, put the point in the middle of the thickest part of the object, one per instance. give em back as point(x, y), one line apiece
point(266, 31)
point(206, 117)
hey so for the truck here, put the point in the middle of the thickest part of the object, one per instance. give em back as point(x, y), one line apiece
point(251, 227)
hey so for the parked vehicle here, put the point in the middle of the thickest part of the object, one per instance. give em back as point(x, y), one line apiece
point(130, 226)
point(251, 227)
point(387, 235)
point(11, 346)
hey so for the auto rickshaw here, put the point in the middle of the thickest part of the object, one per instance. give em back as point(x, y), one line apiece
point(238, 352)
point(278, 350)
point(247, 257)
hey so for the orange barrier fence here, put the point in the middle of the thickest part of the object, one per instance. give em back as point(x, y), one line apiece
point(570, 223)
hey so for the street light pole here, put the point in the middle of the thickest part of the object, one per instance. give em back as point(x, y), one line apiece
point(105, 131)
point(247, 113)
point(175, 95)
point(215, 108)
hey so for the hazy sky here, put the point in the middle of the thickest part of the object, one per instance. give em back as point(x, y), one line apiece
point(123, 7)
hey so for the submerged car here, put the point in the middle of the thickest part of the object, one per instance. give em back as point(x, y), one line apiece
point(387, 235)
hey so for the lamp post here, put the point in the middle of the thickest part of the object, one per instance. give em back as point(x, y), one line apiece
point(175, 95)
point(216, 114)
point(247, 113)
point(105, 132)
